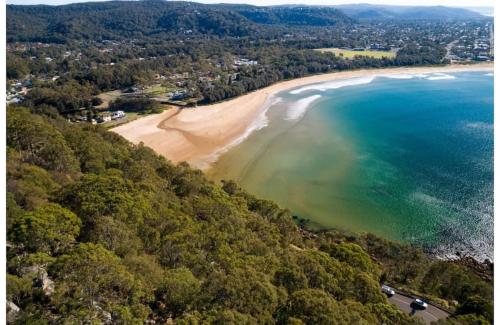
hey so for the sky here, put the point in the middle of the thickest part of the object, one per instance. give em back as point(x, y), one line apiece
point(452, 3)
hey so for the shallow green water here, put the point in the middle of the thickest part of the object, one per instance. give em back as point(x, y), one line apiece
point(407, 159)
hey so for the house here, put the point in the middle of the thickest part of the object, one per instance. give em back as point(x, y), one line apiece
point(242, 61)
point(105, 117)
point(80, 118)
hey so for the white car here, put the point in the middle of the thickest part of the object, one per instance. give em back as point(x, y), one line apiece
point(419, 303)
point(388, 290)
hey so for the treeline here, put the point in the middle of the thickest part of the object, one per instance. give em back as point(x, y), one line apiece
point(84, 79)
point(425, 54)
point(156, 19)
point(103, 231)
point(138, 105)
point(66, 96)
point(293, 63)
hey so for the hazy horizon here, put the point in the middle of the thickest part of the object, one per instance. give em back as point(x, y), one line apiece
point(448, 3)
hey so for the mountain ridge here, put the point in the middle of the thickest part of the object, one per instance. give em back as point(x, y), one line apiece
point(152, 18)
point(369, 11)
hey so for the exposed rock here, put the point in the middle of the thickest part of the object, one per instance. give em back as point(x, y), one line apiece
point(42, 279)
point(46, 283)
point(12, 312)
point(32, 269)
point(484, 270)
point(106, 316)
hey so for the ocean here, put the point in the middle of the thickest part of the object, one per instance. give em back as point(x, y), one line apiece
point(406, 157)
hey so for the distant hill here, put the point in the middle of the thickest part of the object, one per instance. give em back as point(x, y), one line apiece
point(131, 19)
point(367, 11)
point(485, 11)
point(294, 15)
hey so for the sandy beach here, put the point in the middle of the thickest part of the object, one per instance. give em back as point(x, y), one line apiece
point(199, 135)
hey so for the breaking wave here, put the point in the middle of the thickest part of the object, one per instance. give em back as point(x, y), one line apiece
point(260, 122)
point(399, 76)
point(334, 84)
point(480, 125)
point(299, 108)
point(441, 76)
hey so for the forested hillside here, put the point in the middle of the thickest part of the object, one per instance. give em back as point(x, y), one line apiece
point(103, 231)
point(153, 19)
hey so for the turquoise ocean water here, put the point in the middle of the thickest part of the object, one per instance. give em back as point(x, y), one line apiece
point(409, 158)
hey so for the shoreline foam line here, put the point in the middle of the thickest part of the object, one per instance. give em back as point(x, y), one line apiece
point(200, 135)
point(298, 109)
point(260, 122)
point(323, 86)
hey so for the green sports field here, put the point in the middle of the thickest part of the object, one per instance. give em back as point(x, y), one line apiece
point(351, 53)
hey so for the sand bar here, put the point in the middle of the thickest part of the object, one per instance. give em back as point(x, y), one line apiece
point(197, 135)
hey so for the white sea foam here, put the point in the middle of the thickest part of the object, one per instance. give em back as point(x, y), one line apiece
point(441, 76)
point(299, 108)
point(490, 74)
point(334, 84)
point(260, 122)
point(480, 125)
point(399, 76)
point(405, 76)
point(459, 234)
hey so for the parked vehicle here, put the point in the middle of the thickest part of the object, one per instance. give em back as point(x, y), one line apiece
point(388, 290)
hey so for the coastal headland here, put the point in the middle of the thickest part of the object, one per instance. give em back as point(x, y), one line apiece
point(198, 135)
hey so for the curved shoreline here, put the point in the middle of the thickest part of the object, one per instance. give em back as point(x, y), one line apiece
point(199, 135)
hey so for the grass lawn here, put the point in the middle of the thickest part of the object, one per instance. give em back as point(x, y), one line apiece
point(130, 117)
point(108, 97)
point(158, 90)
point(349, 54)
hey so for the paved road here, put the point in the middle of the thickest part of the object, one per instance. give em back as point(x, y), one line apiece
point(449, 46)
point(429, 315)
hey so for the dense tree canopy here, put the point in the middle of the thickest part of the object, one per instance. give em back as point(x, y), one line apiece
point(128, 19)
point(113, 233)
point(103, 231)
